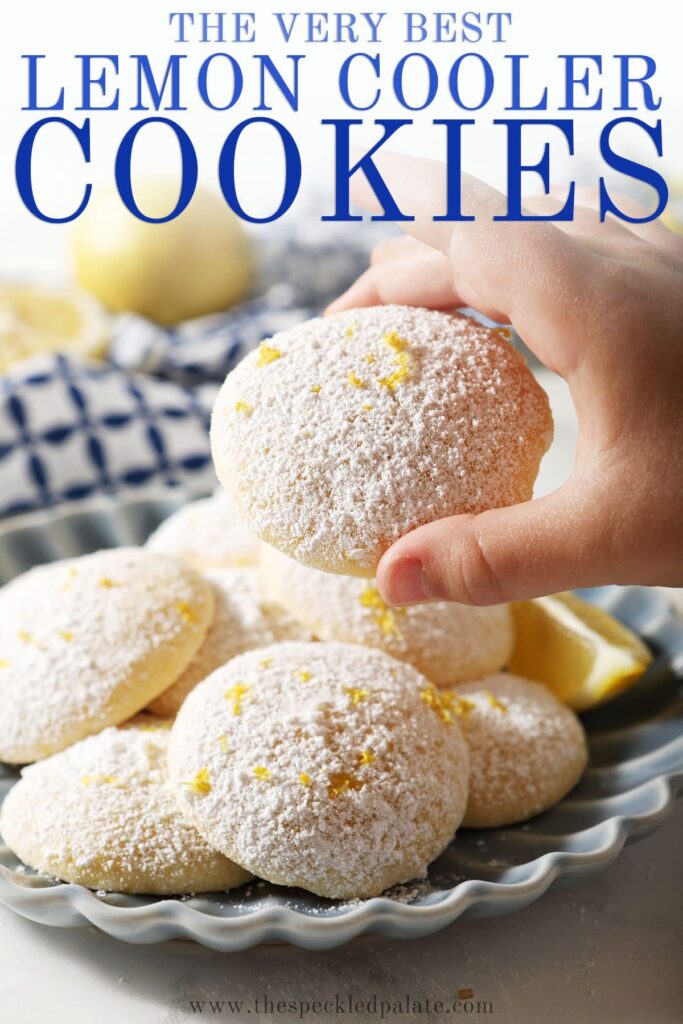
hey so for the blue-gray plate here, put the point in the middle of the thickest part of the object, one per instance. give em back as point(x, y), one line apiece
point(635, 770)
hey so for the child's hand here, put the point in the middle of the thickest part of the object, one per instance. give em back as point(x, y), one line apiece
point(601, 305)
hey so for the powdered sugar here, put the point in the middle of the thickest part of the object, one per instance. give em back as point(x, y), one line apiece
point(447, 642)
point(206, 533)
point(320, 765)
point(243, 619)
point(527, 749)
point(86, 642)
point(101, 813)
point(356, 428)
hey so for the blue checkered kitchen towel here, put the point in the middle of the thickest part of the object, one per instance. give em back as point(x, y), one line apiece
point(71, 429)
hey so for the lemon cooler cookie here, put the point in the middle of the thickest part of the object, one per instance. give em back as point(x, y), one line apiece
point(101, 814)
point(340, 435)
point(207, 533)
point(87, 642)
point(445, 641)
point(243, 619)
point(326, 766)
point(527, 750)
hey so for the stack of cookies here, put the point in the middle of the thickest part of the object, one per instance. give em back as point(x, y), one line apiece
point(236, 698)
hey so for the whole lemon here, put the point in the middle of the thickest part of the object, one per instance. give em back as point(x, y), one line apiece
point(200, 262)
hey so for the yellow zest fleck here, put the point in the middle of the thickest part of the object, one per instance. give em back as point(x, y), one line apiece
point(367, 408)
point(200, 783)
point(398, 376)
point(316, 389)
point(394, 340)
point(266, 662)
point(66, 634)
point(89, 780)
point(402, 361)
point(385, 618)
point(244, 407)
point(495, 703)
point(236, 694)
point(366, 757)
point(341, 782)
point(261, 772)
point(465, 993)
point(369, 358)
point(305, 779)
point(223, 743)
point(355, 381)
point(267, 354)
point(107, 583)
point(447, 705)
point(302, 674)
point(186, 611)
point(370, 597)
point(351, 329)
point(72, 573)
point(355, 694)
point(25, 637)
point(3, 663)
point(504, 332)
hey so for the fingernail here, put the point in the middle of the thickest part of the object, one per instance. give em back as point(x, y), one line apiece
point(407, 583)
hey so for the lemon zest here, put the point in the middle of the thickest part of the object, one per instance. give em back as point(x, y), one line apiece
point(357, 695)
point(236, 694)
point(341, 782)
point(200, 783)
point(267, 354)
point(186, 611)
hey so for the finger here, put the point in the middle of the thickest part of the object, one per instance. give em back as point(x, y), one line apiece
point(530, 271)
point(397, 248)
point(425, 281)
point(539, 547)
point(654, 232)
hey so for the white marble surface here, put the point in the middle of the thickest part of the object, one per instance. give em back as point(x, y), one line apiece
point(604, 952)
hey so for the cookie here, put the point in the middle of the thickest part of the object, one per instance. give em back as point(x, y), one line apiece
point(243, 619)
point(331, 767)
point(207, 533)
point(101, 814)
point(339, 436)
point(527, 750)
point(88, 642)
point(445, 641)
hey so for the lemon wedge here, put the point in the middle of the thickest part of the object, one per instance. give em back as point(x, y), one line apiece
point(579, 651)
point(37, 319)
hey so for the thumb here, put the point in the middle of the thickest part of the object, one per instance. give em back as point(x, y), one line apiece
point(509, 554)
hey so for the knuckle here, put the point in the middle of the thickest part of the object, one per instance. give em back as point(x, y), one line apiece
point(471, 571)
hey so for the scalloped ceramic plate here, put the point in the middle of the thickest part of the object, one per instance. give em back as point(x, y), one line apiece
point(636, 768)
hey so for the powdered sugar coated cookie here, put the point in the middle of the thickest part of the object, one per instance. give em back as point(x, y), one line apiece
point(243, 619)
point(447, 642)
point(527, 750)
point(340, 435)
point(207, 533)
point(101, 814)
point(326, 766)
point(88, 642)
